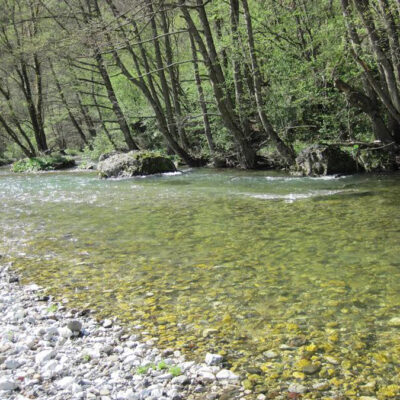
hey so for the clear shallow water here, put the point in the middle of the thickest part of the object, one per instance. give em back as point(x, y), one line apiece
point(235, 262)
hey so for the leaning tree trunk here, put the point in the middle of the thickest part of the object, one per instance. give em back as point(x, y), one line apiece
point(284, 150)
point(123, 124)
point(67, 107)
point(148, 88)
point(363, 102)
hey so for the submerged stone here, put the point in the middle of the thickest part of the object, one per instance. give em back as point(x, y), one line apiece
point(134, 163)
point(395, 322)
point(297, 388)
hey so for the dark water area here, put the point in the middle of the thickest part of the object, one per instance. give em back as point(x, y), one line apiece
point(292, 279)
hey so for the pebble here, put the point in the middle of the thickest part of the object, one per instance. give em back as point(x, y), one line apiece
point(213, 359)
point(395, 322)
point(270, 354)
point(50, 356)
point(65, 332)
point(107, 323)
point(7, 384)
point(297, 388)
point(12, 364)
point(226, 374)
point(65, 383)
point(44, 356)
point(74, 325)
point(331, 360)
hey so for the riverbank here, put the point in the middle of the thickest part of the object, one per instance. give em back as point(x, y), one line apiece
point(48, 351)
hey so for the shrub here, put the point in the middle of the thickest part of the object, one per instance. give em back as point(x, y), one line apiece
point(45, 163)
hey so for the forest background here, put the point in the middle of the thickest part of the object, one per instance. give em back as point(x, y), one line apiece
point(223, 81)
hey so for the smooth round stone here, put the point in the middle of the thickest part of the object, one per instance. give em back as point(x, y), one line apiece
point(213, 359)
point(7, 384)
point(226, 374)
point(395, 322)
point(12, 364)
point(74, 325)
point(181, 380)
point(270, 354)
point(311, 369)
point(65, 332)
point(297, 388)
point(65, 383)
point(206, 376)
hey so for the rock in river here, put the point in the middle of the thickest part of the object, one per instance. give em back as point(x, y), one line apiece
point(319, 160)
point(134, 163)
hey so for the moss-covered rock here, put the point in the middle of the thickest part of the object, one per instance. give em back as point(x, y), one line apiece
point(45, 163)
point(320, 160)
point(134, 163)
point(377, 160)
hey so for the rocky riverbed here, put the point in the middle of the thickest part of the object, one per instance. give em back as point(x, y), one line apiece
point(48, 351)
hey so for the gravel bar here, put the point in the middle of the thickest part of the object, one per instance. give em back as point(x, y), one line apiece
point(50, 352)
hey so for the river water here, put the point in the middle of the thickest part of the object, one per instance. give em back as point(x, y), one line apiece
point(291, 279)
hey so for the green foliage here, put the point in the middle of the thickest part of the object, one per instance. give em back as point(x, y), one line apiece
point(86, 358)
point(301, 46)
point(72, 152)
point(100, 145)
point(162, 365)
point(52, 309)
point(175, 370)
point(45, 163)
point(144, 369)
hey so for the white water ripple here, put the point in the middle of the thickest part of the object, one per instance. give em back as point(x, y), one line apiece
point(292, 197)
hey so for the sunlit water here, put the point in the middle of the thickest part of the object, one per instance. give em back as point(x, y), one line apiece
point(233, 262)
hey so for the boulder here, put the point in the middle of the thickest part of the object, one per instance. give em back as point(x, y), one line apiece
point(318, 160)
point(126, 165)
point(378, 159)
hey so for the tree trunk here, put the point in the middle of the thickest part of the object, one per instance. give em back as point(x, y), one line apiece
point(247, 155)
point(203, 105)
point(367, 105)
point(67, 107)
point(149, 91)
point(237, 73)
point(364, 10)
point(174, 84)
point(110, 90)
point(14, 136)
point(36, 121)
point(284, 150)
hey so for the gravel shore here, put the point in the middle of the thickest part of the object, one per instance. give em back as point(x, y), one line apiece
point(50, 352)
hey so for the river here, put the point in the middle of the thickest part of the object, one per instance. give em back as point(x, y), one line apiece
point(289, 278)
